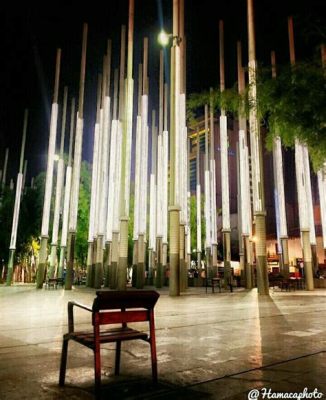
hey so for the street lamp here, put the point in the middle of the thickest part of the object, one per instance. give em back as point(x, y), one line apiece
point(164, 38)
point(176, 241)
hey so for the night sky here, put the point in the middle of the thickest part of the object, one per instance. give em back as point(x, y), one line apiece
point(30, 35)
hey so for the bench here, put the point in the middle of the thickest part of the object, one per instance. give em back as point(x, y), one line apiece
point(215, 282)
point(53, 282)
point(112, 307)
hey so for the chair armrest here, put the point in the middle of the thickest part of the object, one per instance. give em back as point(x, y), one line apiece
point(71, 305)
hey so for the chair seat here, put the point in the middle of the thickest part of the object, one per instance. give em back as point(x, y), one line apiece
point(106, 336)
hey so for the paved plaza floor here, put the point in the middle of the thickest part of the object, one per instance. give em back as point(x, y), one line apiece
point(210, 346)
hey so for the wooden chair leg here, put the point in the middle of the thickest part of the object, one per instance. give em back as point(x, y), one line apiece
point(117, 358)
point(154, 358)
point(97, 370)
point(63, 363)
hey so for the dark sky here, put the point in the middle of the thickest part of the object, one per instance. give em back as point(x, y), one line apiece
point(31, 33)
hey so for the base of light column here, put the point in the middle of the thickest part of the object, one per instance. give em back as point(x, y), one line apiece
point(70, 260)
point(89, 273)
point(61, 261)
point(53, 260)
point(106, 264)
point(123, 255)
point(10, 271)
point(182, 261)
point(227, 257)
point(140, 270)
point(40, 275)
point(208, 272)
point(98, 276)
point(174, 279)
point(285, 257)
point(307, 260)
point(113, 271)
point(261, 258)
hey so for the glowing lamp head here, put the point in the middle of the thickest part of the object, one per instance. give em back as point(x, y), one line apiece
point(164, 38)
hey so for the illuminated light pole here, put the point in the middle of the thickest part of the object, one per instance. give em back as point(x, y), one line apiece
point(174, 208)
point(24, 176)
point(312, 232)
point(40, 275)
point(152, 202)
point(321, 174)
point(102, 178)
point(125, 158)
point(198, 202)
point(13, 238)
point(98, 234)
point(279, 195)
point(226, 227)
point(188, 223)
point(182, 149)
point(76, 168)
point(301, 178)
point(159, 181)
point(256, 161)
point(142, 221)
point(112, 223)
point(245, 200)
point(137, 175)
point(103, 255)
point(212, 183)
point(208, 238)
point(67, 193)
point(165, 180)
point(94, 193)
point(58, 191)
point(240, 166)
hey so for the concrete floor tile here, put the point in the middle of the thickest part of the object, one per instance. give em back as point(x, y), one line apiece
point(210, 346)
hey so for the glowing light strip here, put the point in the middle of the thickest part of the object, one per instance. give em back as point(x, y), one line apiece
point(58, 200)
point(117, 181)
point(310, 208)
point(105, 164)
point(254, 140)
point(137, 178)
point(165, 155)
point(129, 122)
point(49, 171)
point(76, 175)
point(16, 212)
point(66, 202)
point(91, 226)
point(224, 173)
point(301, 186)
point(113, 193)
point(322, 201)
point(279, 185)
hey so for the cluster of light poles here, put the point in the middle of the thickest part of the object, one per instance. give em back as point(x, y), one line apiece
point(110, 193)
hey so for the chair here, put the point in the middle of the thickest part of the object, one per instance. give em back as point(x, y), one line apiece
point(112, 307)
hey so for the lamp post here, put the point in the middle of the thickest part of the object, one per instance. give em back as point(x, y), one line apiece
point(174, 208)
point(256, 160)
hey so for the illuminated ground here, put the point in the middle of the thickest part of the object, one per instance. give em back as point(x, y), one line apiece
point(210, 346)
